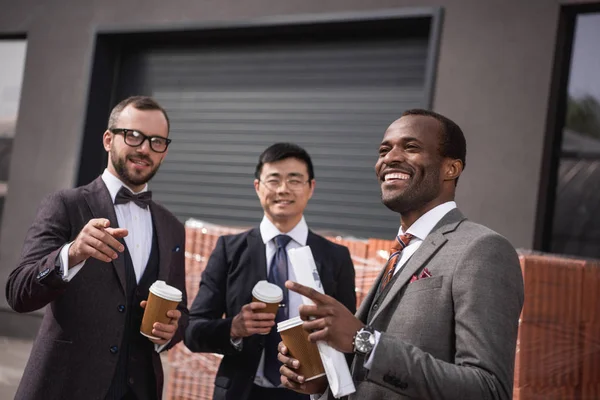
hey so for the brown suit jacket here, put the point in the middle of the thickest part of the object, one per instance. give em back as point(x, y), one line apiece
point(71, 357)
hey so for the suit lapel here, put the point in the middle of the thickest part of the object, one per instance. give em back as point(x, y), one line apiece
point(432, 243)
point(101, 206)
point(257, 257)
point(317, 253)
point(161, 227)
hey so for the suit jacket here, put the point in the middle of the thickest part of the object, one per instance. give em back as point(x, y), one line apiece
point(452, 335)
point(236, 264)
point(71, 357)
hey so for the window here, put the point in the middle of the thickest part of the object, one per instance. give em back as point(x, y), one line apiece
point(576, 220)
point(12, 54)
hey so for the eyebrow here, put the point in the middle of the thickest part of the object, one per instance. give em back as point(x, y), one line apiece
point(402, 140)
point(291, 174)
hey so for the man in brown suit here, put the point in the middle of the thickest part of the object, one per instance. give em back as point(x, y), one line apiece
point(91, 255)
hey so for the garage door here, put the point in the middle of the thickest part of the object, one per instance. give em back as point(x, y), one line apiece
point(229, 98)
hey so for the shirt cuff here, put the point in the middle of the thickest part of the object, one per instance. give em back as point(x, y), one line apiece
point(160, 347)
point(237, 343)
point(68, 273)
point(369, 361)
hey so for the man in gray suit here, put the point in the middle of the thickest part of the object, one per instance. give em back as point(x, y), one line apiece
point(441, 320)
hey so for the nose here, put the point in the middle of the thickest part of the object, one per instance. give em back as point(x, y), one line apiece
point(283, 187)
point(144, 147)
point(394, 155)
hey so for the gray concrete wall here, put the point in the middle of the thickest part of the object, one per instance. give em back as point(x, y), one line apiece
point(493, 78)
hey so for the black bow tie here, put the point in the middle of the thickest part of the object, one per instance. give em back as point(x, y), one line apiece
point(124, 196)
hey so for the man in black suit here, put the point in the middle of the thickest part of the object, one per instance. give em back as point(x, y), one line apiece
point(91, 255)
point(245, 336)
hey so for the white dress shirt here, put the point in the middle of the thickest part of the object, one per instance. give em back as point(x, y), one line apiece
point(299, 234)
point(419, 229)
point(136, 220)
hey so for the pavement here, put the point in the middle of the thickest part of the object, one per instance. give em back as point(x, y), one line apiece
point(14, 354)
point(13, 357)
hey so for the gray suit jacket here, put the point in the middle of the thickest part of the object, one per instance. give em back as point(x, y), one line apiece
point(452, 335)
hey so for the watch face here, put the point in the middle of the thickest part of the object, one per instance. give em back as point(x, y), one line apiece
point(365, 341)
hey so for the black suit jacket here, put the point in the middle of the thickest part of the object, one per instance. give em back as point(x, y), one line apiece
point(236, 264)
point(71, 357)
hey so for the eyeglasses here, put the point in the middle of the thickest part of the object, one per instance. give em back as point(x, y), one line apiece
point(292, 183)
point(135, 138)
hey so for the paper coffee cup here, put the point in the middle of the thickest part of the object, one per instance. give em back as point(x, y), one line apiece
point(162, 298)
point(267, 293)
point(296, 340)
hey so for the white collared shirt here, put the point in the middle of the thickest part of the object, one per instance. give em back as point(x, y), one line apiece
point(299, 235)
point(419, 229)
point(136, 220)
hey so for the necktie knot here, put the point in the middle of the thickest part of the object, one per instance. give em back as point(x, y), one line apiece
point(282, 241)
point(125, 195)
point(401, 242)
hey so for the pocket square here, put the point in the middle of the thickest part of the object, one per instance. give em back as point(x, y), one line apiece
point(424, 274)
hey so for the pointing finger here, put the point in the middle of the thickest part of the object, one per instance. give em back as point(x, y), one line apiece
point(100, 223)
point(311, 293)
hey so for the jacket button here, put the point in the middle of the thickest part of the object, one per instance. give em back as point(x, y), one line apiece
point(114, 349)
point(130, 380)
point(376, 306)
point(121, 308)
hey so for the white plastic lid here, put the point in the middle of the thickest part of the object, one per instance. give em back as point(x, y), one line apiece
point(288, 324)
point(161, 289)
point(267, 292)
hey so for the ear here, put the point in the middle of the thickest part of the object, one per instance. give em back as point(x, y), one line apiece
point(453, 169)
point(256, 185)
point(107, 139)
point(312, 188)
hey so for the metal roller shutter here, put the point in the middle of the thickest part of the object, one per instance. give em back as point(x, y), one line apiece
point(333, 97)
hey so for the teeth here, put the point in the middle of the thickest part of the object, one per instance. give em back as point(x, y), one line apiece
point(396, 176)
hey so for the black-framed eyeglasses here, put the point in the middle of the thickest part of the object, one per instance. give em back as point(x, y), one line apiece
point(292, 183)
point(135, 138)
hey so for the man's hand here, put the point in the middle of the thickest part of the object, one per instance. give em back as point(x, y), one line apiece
point(164, 331)
point(96, 240)
point(292, 380)
point(248, 322)
point(327, 320)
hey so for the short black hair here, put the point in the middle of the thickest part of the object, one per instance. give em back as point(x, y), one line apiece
point(144, 103)
point(282, 151)
point(452, 140)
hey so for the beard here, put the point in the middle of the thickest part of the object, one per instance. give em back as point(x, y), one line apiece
point(128, 177)
point(416, 195)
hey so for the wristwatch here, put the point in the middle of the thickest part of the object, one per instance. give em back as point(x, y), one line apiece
point(364, 340)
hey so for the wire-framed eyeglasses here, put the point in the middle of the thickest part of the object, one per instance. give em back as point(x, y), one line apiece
point(292, 183)
point(136, 138)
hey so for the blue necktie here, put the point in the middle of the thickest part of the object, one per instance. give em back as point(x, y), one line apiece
point(278, 274)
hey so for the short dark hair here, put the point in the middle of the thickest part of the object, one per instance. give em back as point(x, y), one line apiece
point(452, 140)
point(282, 151)
point(144, 103)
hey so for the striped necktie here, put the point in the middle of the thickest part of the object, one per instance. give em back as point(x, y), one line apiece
point(402, 242)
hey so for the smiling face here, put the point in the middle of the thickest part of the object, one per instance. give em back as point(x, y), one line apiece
point(135, 165)
point(414, 176)
point(284, 205)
